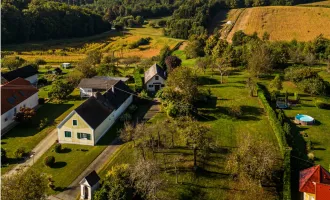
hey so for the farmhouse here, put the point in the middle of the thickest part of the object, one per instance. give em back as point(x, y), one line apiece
point(28, 73)
point(14, 95)
point(93, 118)
point(314, 183)
point(88, 185)
point(154, 78)
point(90, 86)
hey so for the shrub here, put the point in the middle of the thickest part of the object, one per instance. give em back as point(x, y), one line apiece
point(42, 81)
point(41, 101)
point(138, 81)
point(125, 117)
point(49, 161)
point(43, 123)
point(309, 145)
point(19, 153)
point(3, 156)
point(321, 104)
point(311, 156)
point(58, 148)
point(39, 61)
point(172, 110)
point(132, 108)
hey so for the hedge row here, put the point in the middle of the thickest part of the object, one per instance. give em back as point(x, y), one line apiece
point(138, 81)
point(280, 135)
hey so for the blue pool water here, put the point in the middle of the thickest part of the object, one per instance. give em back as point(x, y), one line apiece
point(304, 118)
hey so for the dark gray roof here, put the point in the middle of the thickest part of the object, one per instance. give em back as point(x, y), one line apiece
point(92, 178)
point(96, 109)
point(118, 94)
point(22, 72)
point(96, 83)
point(152, 71)
point(124, 79)
point(93, 112)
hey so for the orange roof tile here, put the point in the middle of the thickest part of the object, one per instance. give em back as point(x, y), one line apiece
point(15, 92)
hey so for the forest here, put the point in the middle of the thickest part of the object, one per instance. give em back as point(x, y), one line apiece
point(32, 20)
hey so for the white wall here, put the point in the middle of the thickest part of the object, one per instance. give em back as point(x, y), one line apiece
point(30, 102)
point(86, 92)
point(153, 81)
point(110, 120)
point(33, 79)
point(91, 190)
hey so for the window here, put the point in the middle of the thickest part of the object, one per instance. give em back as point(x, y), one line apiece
point(163, 85)
point(6, 119)
point(156, 77)
point(15, 111)
point(151, 85)
point(74, 122)
point(67, 133)
point(84, 136)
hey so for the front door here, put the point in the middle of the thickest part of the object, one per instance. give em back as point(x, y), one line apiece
point(86, 193)
point(157, 87)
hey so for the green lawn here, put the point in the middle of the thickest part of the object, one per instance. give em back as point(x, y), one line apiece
point(73, 160)
point(216, 183)
point(28, 136)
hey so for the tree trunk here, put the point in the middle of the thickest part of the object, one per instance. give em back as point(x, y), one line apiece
point(158, 139)
point(176, 173)
point(164, 161)
point(195, 158)
point(143, 153)
point(172, 139)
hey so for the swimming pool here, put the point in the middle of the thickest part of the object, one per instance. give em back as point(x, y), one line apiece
point(304, 119)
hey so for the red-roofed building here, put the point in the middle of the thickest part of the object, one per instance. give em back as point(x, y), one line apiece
point(315, 183)
point(14, 95)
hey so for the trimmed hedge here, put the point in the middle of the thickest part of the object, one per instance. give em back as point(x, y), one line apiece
point(49, 161)
point(276, 124)
point(138, 81)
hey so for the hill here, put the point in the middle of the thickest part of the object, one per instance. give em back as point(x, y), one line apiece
point(284, 23)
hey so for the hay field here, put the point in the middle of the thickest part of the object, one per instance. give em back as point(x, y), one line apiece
point(285, 23)
point(74, 50)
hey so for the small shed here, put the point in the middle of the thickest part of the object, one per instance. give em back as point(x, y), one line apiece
point(66, 65)
point(88, 185)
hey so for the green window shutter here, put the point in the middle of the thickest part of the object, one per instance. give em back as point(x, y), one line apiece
point(74, 122)
point(78, 135)
point(88, 136)
point(67, 133)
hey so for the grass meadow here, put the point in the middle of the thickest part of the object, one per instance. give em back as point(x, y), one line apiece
point(285, 23)
point(214, 182)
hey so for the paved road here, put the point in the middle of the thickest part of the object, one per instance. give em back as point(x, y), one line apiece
point(39, 150)
point(73, 190)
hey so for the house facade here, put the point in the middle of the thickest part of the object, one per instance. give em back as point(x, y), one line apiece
point(28, 73)
point(92, 119)
point(16, 94)
point(314, 183)
point(90, 86)
point(88, 185)
point(154, 78)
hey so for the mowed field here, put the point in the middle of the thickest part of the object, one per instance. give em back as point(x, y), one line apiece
point(284, 23)
point(112, 42)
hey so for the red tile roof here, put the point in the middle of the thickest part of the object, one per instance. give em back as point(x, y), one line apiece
point(15, 92)
point(322, 191)
point(309, 177)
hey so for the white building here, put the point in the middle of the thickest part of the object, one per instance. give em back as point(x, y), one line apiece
point(154, 78)
point(90, 86)
point(28, 73)
point(16, 94)
point(88, 185)
point(92, 119)
point(66, 65)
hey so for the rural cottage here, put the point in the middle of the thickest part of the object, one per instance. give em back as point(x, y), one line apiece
point(28, 73)
point(154, 78)
point(14, 95)
point(93, 118)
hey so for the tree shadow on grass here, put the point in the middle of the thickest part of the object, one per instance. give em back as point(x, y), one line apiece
point(65, 150)
point(48, 110)
point(59, 165)
point(202, 80)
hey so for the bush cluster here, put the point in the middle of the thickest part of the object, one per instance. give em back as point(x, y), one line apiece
point(58, 148)
point(141, 41)
point(49, 161)
point(19, 153)
point(280, 133)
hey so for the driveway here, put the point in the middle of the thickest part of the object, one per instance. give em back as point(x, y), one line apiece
point(39, 150)
point(74, 188)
